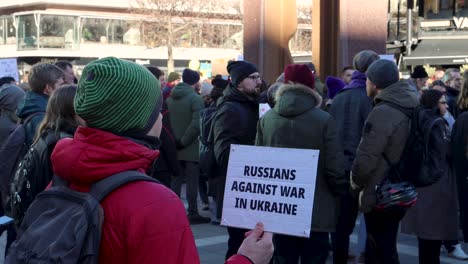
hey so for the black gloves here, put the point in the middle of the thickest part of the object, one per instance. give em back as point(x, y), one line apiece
point(179, 145)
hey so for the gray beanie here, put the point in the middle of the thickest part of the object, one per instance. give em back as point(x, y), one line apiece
point(10, 97)
point(383, 73)
point(363, 59)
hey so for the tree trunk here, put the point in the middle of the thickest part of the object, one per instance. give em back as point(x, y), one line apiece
point(170, 43)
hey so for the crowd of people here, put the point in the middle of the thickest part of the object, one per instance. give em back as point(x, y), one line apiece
point(120, 116)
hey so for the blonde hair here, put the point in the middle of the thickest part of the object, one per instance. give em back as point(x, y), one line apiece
point(462, 101)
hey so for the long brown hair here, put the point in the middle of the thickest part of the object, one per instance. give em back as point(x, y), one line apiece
point(60, 115)
point(462, 101)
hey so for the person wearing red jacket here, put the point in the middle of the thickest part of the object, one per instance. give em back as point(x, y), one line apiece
point(119, 102)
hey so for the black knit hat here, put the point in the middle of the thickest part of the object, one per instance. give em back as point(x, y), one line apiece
point(218, 81)
point(419, 72)
point(383, 73)
point(190, 77)
point(239, 70)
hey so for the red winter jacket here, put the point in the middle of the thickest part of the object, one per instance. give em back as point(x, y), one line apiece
point(238, 259)
point(144, 222)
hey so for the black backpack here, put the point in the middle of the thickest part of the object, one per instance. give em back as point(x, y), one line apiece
point(63, 225)
point(31, 177)
point(415, 165)
point(12, 152)
point(207, 159)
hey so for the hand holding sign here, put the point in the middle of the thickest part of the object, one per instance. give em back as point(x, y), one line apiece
point(258, 245)
point(275, 186)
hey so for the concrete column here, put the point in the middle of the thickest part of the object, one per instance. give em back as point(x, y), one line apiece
point(325, 30)
point(342, 28)
point(268, 27)
point(363, 25)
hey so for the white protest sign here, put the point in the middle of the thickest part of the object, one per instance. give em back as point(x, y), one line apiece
point(262, 109)
point(9, 68)
point(389, 57)
point(275, 186)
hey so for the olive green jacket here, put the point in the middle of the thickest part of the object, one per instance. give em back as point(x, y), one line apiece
point(296, 121)
point(185, 105)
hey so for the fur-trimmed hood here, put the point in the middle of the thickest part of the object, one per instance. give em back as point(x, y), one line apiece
point(295, 99)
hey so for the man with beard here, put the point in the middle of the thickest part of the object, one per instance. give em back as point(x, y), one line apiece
point(453, 82)
point(235, 123)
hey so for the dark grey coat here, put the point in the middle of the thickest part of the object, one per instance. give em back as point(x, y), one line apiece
point(435, 215)
point(350, 109)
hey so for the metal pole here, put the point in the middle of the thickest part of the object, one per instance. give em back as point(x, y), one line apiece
point(409, 29)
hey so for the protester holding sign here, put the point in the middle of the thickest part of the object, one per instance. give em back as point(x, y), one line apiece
point(235, 123)
point(288, 125)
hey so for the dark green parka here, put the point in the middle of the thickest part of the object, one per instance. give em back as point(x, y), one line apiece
point(296, 121)
point(185, 105)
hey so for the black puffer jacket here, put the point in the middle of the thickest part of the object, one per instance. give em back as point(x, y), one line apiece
point(460, 149)
point(235, 123)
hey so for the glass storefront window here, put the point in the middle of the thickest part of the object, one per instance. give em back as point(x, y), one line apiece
point(10, 31)
point(27, 32)
point(58, 32)
point(95, 30)
point(2, 31)
point(445, 9)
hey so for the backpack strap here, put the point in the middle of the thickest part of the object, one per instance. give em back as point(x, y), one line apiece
point(27, 119)
point(102, 188)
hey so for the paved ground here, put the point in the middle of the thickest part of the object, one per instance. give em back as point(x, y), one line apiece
point(211, 244)
point(211, 241)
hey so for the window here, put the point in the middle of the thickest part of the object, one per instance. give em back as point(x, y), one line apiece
point(125, 32)
point(445, 9)
point(10, 31)
point(27, 32)
point(58, 32)
point(95, 30)
point(2, 31)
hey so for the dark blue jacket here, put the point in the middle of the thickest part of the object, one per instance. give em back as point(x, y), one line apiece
point(33, 103)
point(350, 108)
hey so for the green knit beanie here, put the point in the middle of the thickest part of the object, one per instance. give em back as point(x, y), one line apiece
point(118, 96)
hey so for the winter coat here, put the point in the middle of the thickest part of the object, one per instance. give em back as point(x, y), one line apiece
point(460, 152)
point(385, 132)
point(144, 222)
point(296, 121)
point(167, 162)
point(452, 96)
point(435, 215)
point(350, 108)
point(185, 105)
point(7, 125)
point(238, 259)
point(235, 123)
point(33, 103)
